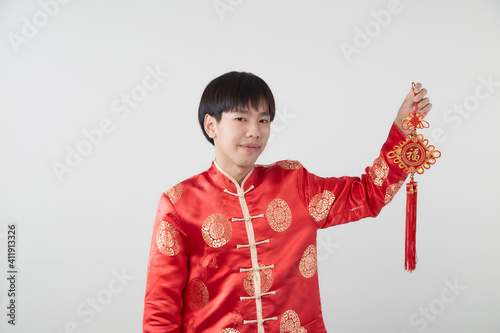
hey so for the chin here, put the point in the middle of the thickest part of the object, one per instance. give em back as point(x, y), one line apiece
point(248, 162)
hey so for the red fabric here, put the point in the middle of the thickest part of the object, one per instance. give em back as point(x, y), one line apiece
point(194, 282)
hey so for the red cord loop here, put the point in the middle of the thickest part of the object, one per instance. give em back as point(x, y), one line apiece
point(413, 88)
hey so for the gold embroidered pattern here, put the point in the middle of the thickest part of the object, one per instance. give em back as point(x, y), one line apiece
point(379, 171)
point(174, 194)
point(290, 323)
point(320, 205)
point(279, 215)
point(355, 208)
point(196, 294)
point(216, 230)
point(266, 281)
point(391, 191)
point(168, 239)
point(290, 165)
point(236, 318)
point(229, 330)
point(309, 262)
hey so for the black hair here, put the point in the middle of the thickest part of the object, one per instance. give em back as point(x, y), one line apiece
point(230, 91)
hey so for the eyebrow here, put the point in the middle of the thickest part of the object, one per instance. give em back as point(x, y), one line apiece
point(245, 111)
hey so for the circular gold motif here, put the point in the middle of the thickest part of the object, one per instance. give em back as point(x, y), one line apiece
point(290, 165)
point(379, 171)
point(266, 281)
point(413, 154)
point(290, 323)
point(175, 193)
point(279, 215)
point(320, 205)
point(216, 230)
point(309, 262)
point(196, 294)
point(229, 330)
point(168, 239)
point(391, 191)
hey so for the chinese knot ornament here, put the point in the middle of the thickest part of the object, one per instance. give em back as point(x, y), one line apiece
point(413, 155)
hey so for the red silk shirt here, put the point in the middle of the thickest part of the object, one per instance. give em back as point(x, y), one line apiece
point(231, 258)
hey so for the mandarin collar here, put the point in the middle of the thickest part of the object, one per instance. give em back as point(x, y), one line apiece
point(226, 181)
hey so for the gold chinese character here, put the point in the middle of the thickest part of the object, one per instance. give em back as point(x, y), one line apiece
point(412, 154)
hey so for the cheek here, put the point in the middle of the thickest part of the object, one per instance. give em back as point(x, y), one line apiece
point(266, 133)
point(233, 138)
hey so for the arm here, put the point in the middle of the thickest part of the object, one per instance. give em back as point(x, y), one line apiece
point(334, 201)
point(167, 272)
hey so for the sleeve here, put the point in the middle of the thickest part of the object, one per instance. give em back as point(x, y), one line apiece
point(333, 201)
point(167, 272)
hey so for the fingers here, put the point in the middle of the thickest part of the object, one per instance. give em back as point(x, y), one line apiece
point(424, 106)
point(416, 94)
point(418, 87)
point(419, 94)
point(423, 103)
point(425, 110)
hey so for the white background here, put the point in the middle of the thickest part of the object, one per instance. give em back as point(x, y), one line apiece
point(61, 74)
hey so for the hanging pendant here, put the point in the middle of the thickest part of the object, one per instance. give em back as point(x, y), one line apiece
point(413, 155)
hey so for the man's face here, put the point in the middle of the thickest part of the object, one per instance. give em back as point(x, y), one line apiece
point(240, 137)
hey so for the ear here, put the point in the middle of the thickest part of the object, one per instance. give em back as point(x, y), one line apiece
point(210, 124)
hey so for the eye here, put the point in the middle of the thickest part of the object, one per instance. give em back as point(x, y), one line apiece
point(240, 119)
point(264, 121)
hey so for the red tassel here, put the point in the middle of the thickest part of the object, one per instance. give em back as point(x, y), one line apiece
point(411, 226)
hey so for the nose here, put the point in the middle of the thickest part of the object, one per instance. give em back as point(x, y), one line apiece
point(253, 129)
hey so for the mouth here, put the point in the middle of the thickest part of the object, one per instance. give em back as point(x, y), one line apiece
point(250, 147)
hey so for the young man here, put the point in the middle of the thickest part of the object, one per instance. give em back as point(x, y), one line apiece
point(234, 248)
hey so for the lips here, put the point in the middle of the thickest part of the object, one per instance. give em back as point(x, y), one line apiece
point(250, 147)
